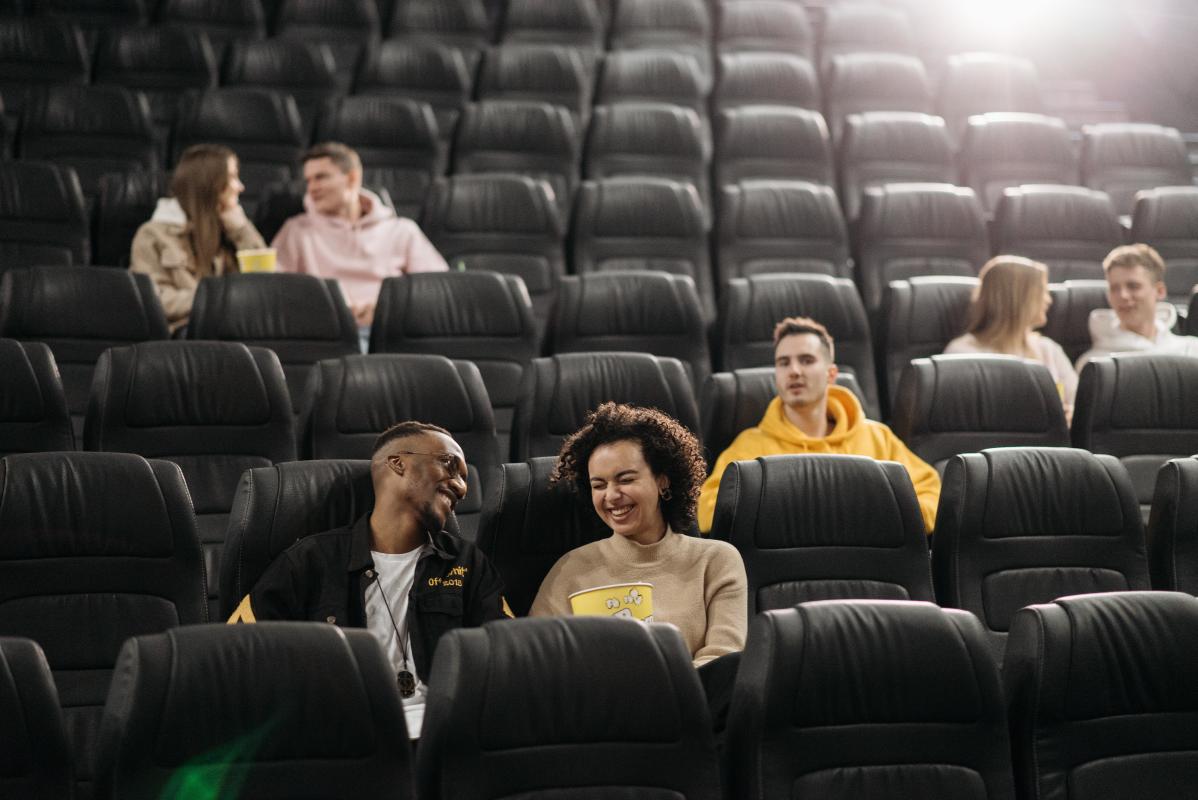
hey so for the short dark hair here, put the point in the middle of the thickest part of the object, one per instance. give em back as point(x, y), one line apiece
point(343, 156)
point(793, 326)
point(669, 449)
point(402, 430)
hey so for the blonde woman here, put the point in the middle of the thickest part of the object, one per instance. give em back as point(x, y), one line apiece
point(1011, 301)
point(197, 231)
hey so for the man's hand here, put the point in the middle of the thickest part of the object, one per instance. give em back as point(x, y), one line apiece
point(363, 313)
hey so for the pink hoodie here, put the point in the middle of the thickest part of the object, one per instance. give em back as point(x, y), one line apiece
point(359, 255)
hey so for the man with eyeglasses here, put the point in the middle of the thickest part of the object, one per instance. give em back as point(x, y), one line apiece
point(396, 571)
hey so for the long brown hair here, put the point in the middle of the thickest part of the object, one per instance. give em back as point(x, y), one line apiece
point(201, 174)
point(1007, 303)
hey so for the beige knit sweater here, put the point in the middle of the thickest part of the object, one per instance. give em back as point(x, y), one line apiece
point(699, 585)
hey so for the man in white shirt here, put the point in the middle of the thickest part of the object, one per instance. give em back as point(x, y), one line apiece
point(1139, 319)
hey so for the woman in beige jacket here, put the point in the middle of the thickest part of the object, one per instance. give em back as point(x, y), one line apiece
point(197, 231)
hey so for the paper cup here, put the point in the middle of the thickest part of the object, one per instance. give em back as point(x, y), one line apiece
point(261, 259)
point(632, 600)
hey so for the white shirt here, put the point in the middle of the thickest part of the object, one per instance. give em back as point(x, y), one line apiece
point(395, 572)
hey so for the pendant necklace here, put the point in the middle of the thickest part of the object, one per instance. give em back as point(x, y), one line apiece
point(407, 681)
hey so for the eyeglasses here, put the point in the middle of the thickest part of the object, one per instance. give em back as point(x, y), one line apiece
point(451, 463)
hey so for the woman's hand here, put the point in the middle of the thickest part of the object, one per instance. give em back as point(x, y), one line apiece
point(233, 217)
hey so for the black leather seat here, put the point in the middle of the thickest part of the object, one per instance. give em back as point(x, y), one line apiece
point(1167, 219)
point(558, 75)
point(751, 307)
point(302, 318)
point(163, 62)
point(535, 138)
point(560, 390)
point(98, 547)
point(1069, 228)
point(643, 224)
point(730, 402)
point(97, 15)
point(43, 220)
point(526, 526)
point(460, 26)
point(965, 403)
point(881, 147)
point(397, 141)
point(1005, 149)
point(79, 312)
point(868, 699)
point(93, 130)
point(651, 76)
point(1173, 527)
point(764, 25)
point(31, 721)
point(977, 83)
point(222, 21)
point(36, 54)
point(858, 82)
point(346, 27)
point(584, 729)
point(262, 126)
point(124, 202)
point(305, 70)
point(1121, 158)
point(682, 26)
point(33, 408)
point(355, 398)
point(780, 226)
point(771, 142)
point(920, 316)
point(214, 408)
point(420, 71)
point(1115, 663)
point(911, 230)
point(1069, 315)
point(501, 223)
point(824, 527)
point(775, 79)
point(335, 730)
point(649, 139)
point(1137, 408)
point(1023, 525)
point(864, 28)
point(481, 316)
point(645, 312)
point(576, 23)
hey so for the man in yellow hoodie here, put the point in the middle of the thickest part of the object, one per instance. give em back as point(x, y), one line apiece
point(813, 415)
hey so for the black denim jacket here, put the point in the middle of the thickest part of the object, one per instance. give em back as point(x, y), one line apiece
point(323, 577)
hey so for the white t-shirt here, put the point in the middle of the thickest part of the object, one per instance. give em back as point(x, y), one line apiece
point(395, 572)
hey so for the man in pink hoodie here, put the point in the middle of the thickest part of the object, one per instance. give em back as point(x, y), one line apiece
point(347, 233)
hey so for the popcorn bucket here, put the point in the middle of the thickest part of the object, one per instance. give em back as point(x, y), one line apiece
point(631, 600)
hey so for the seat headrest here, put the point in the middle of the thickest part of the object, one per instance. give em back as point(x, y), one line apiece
point(1166, 212)
point(644, 207)
point(89, 110)
point(882, 662)
point(771, 297)
point(280, 62)
point(937, 307)
point(193, 383)
point(263, 306)
point(34, 191)
point(246, 116)
point(896, 136)
point(157, 49)
point(500, 204)
point(60, 505)
point(681, 15)
point(788, 210)
point(1018, 136)
point(210, 683)
point(1052, 491)
point(1150, 391)
point(1057, 213)
point(1110, 655)
point(771, 132)
point(359, 16)
point(80, 303)
point(1003, 394)
point(43, 40)
point(379, 390)
point(517, 125)
point(386, 122)
point(778, 76)
point(646, 129)
point(21, 400)
point(35, 752)
point(584, 380)
point(471, 303)
point(631, 72)
point(922, 210)
point(1134, 143)
point(630, 303)
point(877, 75)
point(422, 66)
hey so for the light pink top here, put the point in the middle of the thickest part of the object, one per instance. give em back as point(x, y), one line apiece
point(1048, 353)
point(359, 254)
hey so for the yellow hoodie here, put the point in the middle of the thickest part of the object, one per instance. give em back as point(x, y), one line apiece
point(852, 434)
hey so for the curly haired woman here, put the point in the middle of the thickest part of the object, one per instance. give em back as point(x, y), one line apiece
point(643, 471)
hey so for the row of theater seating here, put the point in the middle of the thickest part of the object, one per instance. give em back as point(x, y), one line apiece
point(832, 698)
point(1018, 526)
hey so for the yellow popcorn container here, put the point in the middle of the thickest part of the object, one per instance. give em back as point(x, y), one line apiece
point(631, 600)
point(261, 259)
